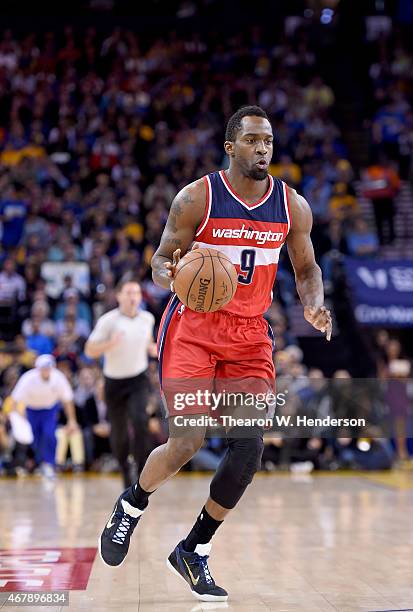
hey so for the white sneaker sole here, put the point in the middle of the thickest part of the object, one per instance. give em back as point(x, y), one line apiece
point(194, 593)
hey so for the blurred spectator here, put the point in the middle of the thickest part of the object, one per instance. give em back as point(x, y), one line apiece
point(39, 319)
point(36, 226)
point(159, 189)
point(332, 246)
point(38, 341)
point(85, 387)
point(25, 356)
point(13, 212)
point(72, 440)
point(381, 184)
point(399, 402)
point(389, 122)
point(67, 285)
point(361, 241)
point(317, 192)
point(12, 284)
point(364, 453)
point(209, 456)
point(66, 354)
point(287, 171)
point(75, 307)
point(5, 442)
point(393, 350)
point(76, 329)
point(319, 95)
point(95, 426)
point(342, 205)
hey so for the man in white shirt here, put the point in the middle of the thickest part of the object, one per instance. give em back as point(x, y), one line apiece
point(41, 391)
point(124, 336)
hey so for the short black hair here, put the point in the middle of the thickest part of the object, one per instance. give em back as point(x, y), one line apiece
point(234, 123)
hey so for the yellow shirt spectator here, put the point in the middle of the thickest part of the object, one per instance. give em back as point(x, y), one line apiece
point(342, 204)
point(287, 171)
point(12, 157)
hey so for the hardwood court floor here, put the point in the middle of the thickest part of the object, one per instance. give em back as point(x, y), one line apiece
point(315, 543)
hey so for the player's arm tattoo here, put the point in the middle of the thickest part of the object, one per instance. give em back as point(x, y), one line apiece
point(308, 277)
point(179, 232)
point(174, 214)
point(177, 209)
point(171, 243)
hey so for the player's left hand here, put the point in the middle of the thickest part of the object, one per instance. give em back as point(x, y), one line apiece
point(320, 318)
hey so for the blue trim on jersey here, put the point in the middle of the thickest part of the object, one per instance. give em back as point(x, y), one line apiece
point(226, 206)
point(171, 309)
point(271, 336)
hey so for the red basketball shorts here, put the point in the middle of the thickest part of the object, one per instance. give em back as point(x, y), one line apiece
point(211, 352)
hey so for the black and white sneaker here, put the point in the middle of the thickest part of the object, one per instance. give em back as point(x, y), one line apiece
point(115, 538)
point(193, 568)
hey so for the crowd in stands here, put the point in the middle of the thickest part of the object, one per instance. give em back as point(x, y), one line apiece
point(390, 106)
point(98, 135)
point(390, 118)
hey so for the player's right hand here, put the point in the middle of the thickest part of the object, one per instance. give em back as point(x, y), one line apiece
point(171, 267)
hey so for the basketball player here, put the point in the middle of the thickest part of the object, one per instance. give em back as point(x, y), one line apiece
point(230, 343)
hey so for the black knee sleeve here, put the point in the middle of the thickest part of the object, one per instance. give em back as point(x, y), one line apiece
point(236, 470)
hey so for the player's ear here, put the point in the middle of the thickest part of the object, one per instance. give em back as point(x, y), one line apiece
point(229, 148)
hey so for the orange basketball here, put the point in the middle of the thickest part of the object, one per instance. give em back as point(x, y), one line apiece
point(205, 280)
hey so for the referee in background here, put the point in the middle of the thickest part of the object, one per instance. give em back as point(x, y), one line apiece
point(124, 336)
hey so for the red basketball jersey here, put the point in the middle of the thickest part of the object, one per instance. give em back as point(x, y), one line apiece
point(251, 235)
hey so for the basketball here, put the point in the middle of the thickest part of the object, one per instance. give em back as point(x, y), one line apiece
point(205, 280)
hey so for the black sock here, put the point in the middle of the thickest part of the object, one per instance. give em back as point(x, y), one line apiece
point(202, 532)
point(137, 496)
